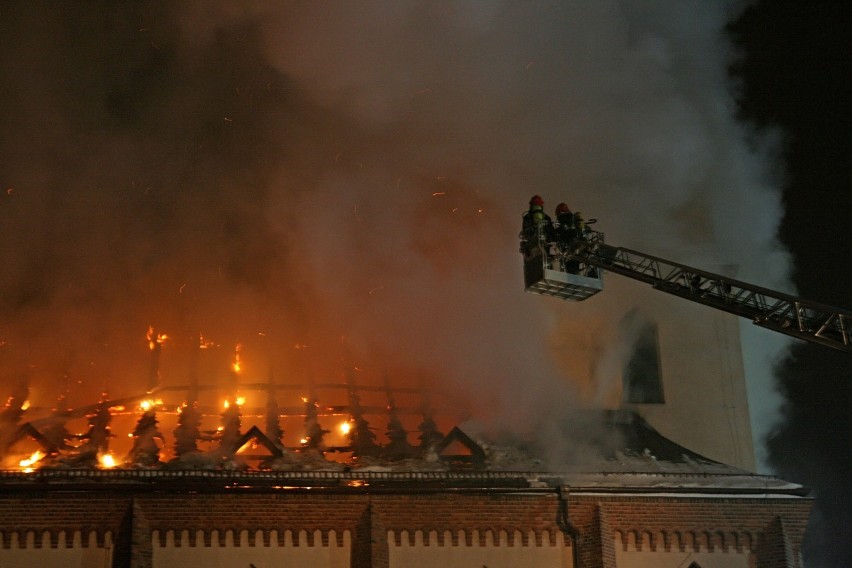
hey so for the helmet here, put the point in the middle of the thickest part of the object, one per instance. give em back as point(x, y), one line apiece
point(562, 208)
point(536, 200)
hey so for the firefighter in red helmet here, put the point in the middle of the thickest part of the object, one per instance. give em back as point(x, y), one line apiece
point(565, 219)
point(534, 219)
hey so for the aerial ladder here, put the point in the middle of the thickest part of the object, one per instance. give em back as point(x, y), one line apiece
point(572, 269)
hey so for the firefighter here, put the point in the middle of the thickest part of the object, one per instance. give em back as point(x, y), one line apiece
point(565, 221)
point(580, 225)
point(566, 232)
point(534, 218)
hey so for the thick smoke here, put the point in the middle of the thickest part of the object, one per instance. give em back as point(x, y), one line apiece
point(348, 178)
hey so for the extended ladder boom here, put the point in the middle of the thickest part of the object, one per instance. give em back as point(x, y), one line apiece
point(783, 313)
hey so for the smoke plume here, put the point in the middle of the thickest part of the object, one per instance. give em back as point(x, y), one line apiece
point(348, 178)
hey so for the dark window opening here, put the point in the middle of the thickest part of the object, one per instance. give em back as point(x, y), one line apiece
point(642, 375)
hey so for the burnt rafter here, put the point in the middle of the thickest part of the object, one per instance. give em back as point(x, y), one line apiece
point(27, 430)
point(255, 433)
point(460, 450)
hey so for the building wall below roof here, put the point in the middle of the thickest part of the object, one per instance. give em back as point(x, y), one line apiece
point(671, 559)
point(448, 528)
point(267, 549)
point(417, 549)
point(26, 548)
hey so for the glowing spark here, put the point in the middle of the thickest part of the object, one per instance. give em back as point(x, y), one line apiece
point(379, 287)
point(107, 461)
point(303, 441)
point(180, 290)
point(437, 193)
point(345, 428)
point(241, 400)
point(26, 405)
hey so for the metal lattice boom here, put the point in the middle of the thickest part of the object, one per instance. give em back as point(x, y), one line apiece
point(810, 321)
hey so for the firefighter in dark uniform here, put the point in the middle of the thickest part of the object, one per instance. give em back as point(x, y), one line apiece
point(534, 218)
point(566, 232)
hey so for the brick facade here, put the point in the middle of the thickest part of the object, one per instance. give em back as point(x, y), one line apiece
point(369, 521)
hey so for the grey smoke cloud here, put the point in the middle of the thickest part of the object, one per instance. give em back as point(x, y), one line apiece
point(298, 174)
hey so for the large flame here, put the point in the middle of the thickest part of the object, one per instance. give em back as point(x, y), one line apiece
point(150, 403)
point(27, 463)
point(107, 461)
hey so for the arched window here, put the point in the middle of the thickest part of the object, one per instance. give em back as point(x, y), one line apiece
point(641, 373)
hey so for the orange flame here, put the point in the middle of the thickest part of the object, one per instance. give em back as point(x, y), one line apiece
point(107, 461)
point(27, 463)
point(153, 340)
point(150, 403)
point(237, 365)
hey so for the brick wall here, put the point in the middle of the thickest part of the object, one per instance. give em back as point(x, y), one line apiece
point(593, 524)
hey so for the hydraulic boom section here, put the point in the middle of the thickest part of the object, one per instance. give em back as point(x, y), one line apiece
point(590, 257)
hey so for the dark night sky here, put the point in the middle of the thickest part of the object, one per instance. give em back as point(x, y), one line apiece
point(350, 180)
point(796, 77)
